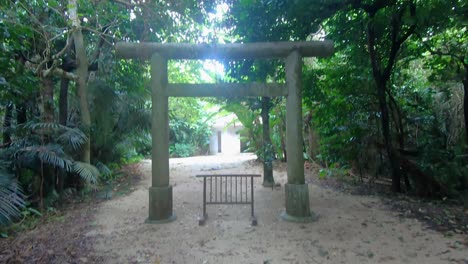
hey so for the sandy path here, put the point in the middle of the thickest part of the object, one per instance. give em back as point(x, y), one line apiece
point(351, 229)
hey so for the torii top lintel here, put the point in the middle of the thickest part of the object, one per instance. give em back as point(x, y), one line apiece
point(258, 50)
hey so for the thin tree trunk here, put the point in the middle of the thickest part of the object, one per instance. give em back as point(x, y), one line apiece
point(7, 124)
point(63, 116)
point(268, 180)
point(48, 174)
point(465, 101)
point(393, 158)
point(398, 120)
point(63, 101)
point(47, 97)
point(21, 114)
point(312, 136)
point(82, 73)
point(282, 130)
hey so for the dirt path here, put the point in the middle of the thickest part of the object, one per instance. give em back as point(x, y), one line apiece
point(351, 229)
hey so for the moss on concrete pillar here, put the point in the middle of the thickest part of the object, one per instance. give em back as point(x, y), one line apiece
point(160, 205)
point(297, 204)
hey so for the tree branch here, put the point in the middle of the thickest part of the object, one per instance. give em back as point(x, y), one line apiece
point(67, 46)
point(439, 52)
point(99, 33)
point(127, 4)
point(93, 61)
point(60, 73)
point(372, 52)
point(397, 42)
point(370, 9)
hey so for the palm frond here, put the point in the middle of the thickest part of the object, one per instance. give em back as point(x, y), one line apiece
point(72, 137)
point(51, 154)
point(20, 143)
point(87, 172)
point(103, 169)
point(11, 198)
point(54, 158)
point(40, 125)
point(141, 118)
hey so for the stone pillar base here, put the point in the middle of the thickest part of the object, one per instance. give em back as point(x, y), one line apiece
point(297, 204)
point(160, 205)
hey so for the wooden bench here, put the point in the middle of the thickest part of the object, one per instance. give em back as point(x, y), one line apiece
point(228, 189)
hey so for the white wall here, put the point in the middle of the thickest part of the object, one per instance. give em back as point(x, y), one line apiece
point(230, 140)
point(214, 141)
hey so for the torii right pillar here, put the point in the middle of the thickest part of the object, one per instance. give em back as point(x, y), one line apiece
point(296, 191)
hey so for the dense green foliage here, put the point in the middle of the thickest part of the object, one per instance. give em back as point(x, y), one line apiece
point(189, 118)
point(189, 128)
point(392, 102)
point(68, 106)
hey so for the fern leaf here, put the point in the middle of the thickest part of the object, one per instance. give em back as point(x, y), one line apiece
point(87, 172)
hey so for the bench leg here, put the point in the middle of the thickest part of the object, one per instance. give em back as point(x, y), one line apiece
point(202, 219)
point(254, 221)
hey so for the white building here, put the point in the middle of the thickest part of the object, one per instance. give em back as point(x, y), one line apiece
point(225, 137)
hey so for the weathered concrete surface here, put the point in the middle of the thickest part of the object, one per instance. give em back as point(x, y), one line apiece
point(294, 119)
point(297, 193)
point(160, 193)
point(226, 89)
point(297, 204)
point(160, 205)
point(259, 50)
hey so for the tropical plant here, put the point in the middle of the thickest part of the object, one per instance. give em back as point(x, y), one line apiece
point(372, 104)
point(43, 152)
point(187, 138)
point(12, 199)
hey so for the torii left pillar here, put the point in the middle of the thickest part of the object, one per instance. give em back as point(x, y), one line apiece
point(160, 192)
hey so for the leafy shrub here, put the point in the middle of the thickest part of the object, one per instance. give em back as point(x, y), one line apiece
point(187, 139)
point(181, 150)
point(119, 119)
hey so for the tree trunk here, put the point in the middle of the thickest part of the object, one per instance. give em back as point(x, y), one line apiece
point(47, 171)
point(82, 73)
point(7, 124)
point(381, 78)
point(282, 130)
point(398, 120)
point(63, 116)
point(268, 180)
point(47, 97)
point(465, 101)
point(312, 137)
point(63, 101)
point(21, 114)
point(393, 158)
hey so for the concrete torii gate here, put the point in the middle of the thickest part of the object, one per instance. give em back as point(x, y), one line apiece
point(160, 192)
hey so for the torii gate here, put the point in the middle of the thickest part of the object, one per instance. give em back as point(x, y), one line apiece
point(160, 192)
